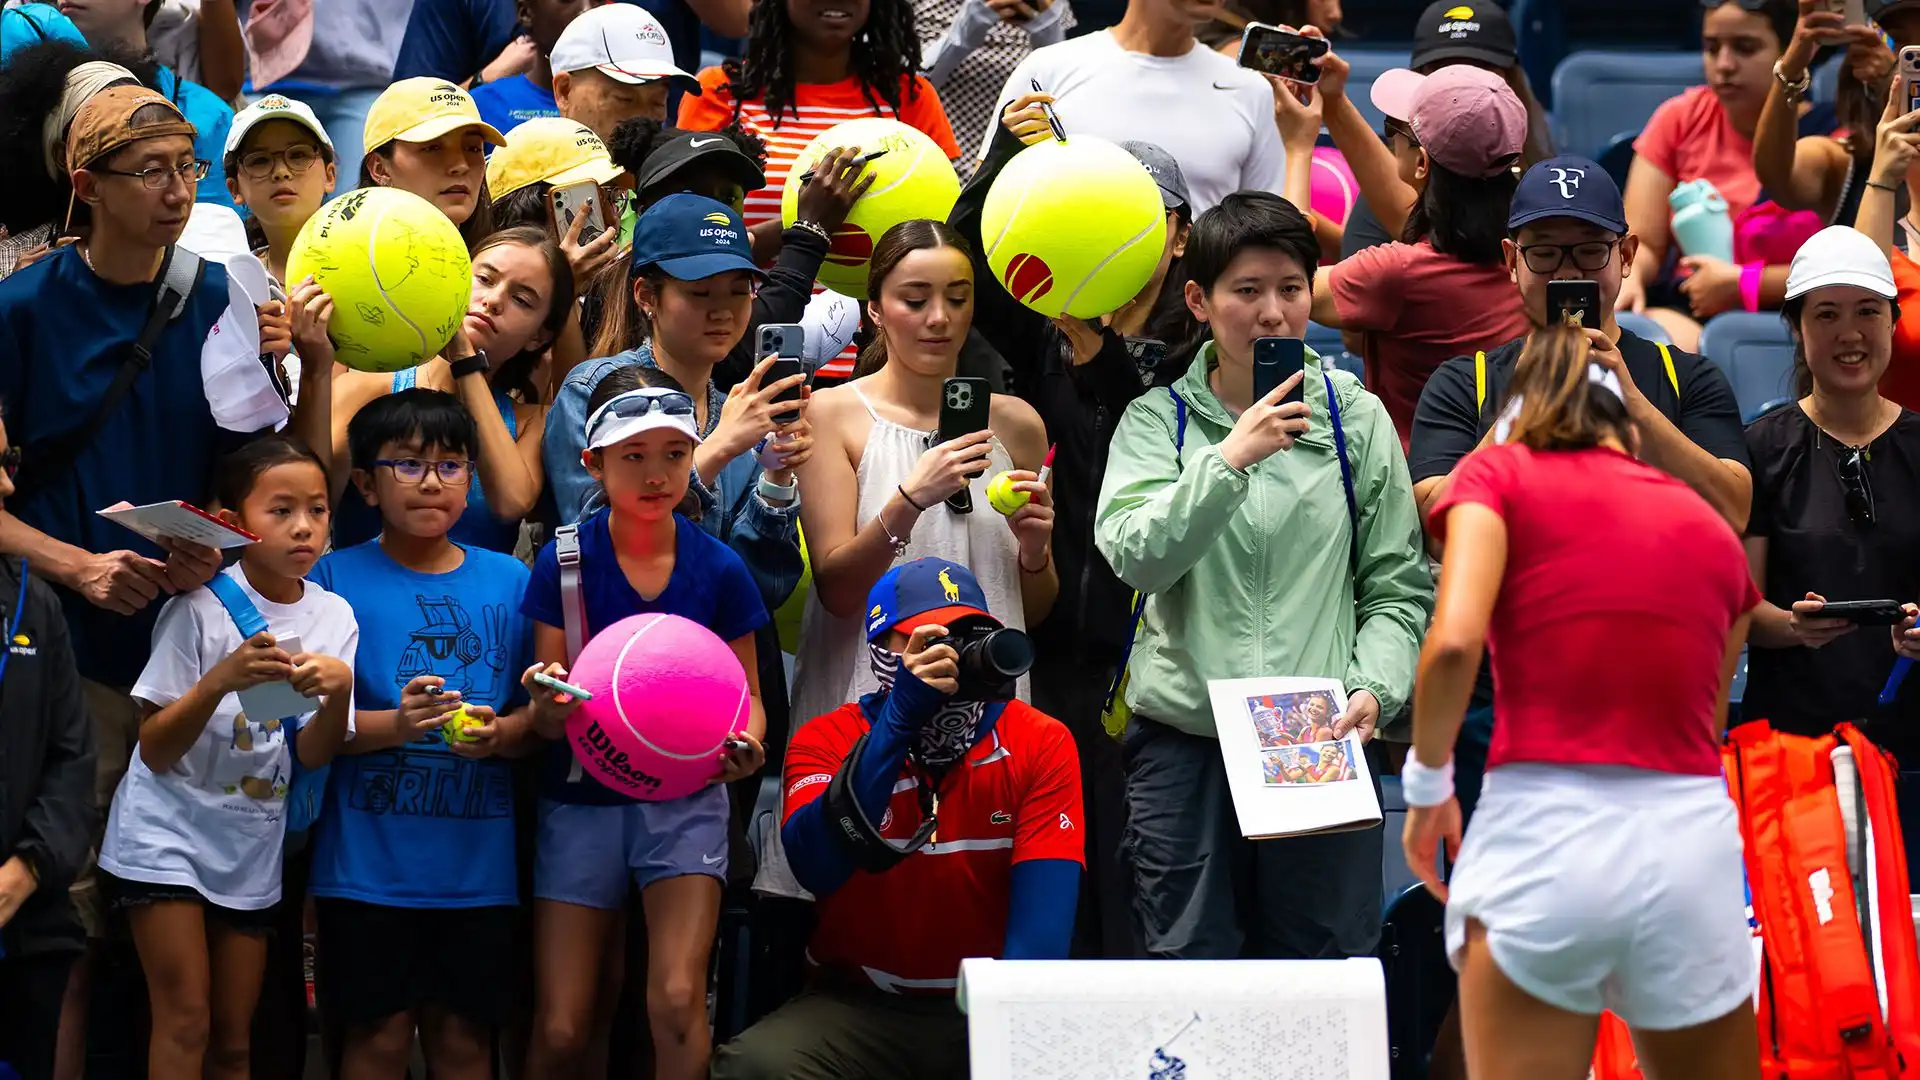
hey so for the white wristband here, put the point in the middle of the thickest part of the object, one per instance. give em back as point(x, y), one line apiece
point(1421, 786)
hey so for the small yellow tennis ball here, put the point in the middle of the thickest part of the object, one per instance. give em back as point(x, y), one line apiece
point(1073, 227)
point(913, 180)
point(1002, 497)
point(455, 729)
point(397, 270)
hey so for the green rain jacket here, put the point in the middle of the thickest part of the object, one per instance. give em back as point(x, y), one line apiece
point(1250, 574)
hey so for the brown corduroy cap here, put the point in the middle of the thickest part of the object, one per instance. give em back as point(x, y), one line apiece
point(111, 119)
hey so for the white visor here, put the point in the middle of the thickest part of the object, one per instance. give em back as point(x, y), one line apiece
point(650, 408)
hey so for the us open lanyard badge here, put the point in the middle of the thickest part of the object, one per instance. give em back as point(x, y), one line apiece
point(6, 650)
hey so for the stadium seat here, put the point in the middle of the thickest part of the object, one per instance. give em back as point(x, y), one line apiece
point(1544, 28)
point(1617, 156)
point(1599, 93)
point(1324, 340)
point(1368, 65)
point(1643, 327)
point(1352, 365)
point(1755, 351)
point(1395, 875)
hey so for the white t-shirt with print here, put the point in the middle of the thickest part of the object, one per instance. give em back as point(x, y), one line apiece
point(1214, 116)
point(215, 821)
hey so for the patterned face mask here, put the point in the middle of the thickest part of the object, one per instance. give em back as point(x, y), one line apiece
point(950, 733)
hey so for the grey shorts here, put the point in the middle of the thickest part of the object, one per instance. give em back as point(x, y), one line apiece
point(1205, 892)
point(586, 855)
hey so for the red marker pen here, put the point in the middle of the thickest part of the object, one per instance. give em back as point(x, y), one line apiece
point(1046, 467)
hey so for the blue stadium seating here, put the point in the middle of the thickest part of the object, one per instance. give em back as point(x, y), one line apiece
point(1368, 65)
point(1756, 352)
point(1617, 156)
point(1643, 327)
point(1598, 94)
point(1324, 340)
point(1546, 29)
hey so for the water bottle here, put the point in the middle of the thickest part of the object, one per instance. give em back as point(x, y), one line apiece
point(1701, 223)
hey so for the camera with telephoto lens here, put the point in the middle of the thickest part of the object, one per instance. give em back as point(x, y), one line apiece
point(992, 659)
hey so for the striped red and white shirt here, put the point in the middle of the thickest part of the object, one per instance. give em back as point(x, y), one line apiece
point(815, 108)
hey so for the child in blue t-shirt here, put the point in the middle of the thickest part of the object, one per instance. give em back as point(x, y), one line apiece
point(636, 556)
point(413, 864)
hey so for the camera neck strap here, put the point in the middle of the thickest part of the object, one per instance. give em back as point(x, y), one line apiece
point(869, 850)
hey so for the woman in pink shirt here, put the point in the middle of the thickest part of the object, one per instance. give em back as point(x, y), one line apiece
point(1707, 133)
point(1604, 871)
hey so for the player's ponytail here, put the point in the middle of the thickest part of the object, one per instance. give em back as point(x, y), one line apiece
point(1560, 399)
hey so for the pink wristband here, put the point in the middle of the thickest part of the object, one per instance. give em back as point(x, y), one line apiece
point(1750, 275)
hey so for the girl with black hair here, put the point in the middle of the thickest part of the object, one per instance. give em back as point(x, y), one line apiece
point(812, 64)
point(1268, 537)
point(1443, 290)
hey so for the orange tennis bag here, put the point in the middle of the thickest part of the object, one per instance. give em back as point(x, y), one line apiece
point(1839, 980)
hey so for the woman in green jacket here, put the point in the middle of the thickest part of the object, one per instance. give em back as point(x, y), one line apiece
point(1232, 516)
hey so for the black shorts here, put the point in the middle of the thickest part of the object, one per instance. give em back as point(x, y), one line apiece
point(374, 962)
point(122, 894)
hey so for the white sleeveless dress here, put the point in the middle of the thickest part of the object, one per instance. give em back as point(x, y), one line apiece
point(831, 668)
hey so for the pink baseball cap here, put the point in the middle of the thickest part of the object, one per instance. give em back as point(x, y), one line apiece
point(1468, 119)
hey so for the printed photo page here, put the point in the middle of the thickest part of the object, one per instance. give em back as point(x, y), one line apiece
point(1289, 774)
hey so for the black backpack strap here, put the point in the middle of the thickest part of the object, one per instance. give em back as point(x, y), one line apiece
point(43, 462)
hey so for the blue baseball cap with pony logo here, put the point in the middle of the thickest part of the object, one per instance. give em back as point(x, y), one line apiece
point(921, 592)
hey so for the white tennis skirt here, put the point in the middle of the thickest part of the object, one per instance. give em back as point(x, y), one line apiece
point(1609, 888)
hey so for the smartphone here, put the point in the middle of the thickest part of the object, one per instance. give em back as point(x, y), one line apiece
point(965, 406)
point(787, 342)
point(1910, 71)
point(1275, 360)
point(574, 200)
point(1576, 302)
point(1864, 612)
point(1282, 53)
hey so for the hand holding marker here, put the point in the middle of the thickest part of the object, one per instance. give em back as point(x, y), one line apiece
point(856, 164)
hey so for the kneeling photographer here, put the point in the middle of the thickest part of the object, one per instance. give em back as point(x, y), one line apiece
point(934, 820)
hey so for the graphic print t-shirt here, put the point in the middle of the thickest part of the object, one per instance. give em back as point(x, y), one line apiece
point(710, 585)
point(418, 825)
point(215, 821)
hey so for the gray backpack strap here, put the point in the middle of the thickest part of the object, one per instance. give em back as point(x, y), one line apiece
point(573, 611)
point(178, 280)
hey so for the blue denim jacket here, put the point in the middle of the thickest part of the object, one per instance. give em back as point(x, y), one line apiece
point(732, 511)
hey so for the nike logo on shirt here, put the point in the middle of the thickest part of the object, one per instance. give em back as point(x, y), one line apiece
point(1217, 86)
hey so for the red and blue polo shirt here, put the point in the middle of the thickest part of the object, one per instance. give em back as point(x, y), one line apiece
point(1015, 797)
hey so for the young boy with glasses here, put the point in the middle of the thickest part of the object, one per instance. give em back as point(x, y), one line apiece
point(414, 869)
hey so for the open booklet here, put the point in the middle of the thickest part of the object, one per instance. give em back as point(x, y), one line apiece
point(178, 521)
point(1288, 774)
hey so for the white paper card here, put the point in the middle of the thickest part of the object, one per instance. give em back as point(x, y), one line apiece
point(177, 521)
point(1195, 1020)
point(278, 700)
point(1289, 776)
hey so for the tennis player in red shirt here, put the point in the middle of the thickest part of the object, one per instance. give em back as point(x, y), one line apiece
point(1604, 869)
point(997, 874)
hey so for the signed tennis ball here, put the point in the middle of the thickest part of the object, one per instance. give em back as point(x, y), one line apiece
point(1073, 227)
point(397, 270)
point(913, 180)
point(1002, 497)
point(455, 729)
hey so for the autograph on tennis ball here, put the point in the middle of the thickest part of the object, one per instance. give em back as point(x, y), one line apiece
point(1002, 496)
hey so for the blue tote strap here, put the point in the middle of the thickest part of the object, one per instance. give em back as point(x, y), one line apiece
point(234, 599)
point(1139, 598)
point(1346, 472)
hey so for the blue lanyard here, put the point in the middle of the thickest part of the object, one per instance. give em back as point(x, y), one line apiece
point(13, 627)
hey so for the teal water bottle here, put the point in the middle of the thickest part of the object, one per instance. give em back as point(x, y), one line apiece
point(1701, 223)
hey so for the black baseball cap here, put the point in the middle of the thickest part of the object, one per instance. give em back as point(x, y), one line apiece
point(711, 147)
point(1477, 31)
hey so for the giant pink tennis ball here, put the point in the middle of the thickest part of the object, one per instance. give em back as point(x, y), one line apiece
point(1335, 191)
point(666, 694)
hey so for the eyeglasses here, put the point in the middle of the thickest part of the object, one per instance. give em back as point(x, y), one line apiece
point(452, 472)
point(1588, 256)
point(10, 461)
point(160, 176)
point(1856, 487)
point(258, 165)
point(1393, 127)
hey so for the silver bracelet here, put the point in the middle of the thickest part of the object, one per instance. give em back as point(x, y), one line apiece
point(899, 543)
point(814, 229)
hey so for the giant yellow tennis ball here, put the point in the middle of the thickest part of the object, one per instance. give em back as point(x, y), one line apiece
point(913, 180)
point(1075, 227)
point(397, 270)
